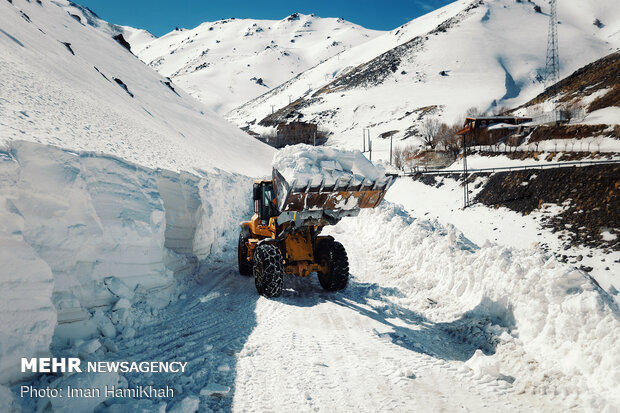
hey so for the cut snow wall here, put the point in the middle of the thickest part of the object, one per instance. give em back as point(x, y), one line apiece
point(203, 212)
point(179, 193)
point(225, 200)
point(69, 220)
point(26, 283)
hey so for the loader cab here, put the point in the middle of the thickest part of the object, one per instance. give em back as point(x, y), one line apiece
point(264, 201)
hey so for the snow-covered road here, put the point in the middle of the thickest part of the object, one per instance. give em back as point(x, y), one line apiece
point(312, 351)
point(361, 349)
point(430, 321)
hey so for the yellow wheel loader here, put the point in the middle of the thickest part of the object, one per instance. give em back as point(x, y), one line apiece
point(283, 236)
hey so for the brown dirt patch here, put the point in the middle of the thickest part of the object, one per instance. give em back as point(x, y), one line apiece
point(591, 196)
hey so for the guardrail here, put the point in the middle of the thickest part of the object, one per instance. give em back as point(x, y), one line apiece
point(513, 168)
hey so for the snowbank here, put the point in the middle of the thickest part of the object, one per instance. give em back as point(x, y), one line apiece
point(306, 164)
point(550, 327)
point(85, 227)
point(84, 231)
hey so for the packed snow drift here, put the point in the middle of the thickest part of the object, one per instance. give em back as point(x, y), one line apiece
point(544, 326)
point(312, 165)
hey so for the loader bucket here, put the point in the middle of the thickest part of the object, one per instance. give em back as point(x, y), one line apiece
point(345, 194)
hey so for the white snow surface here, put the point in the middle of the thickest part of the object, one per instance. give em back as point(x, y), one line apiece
point(486, 56)
point(51, 95)
point(82, 232)
point(429, 321)
point(607, 116)
point(107, 256)
point(305, 164)
point(221, 62)
point(550, 327)
point(136, 37)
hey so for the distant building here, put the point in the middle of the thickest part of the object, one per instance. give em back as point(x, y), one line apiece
point(292, 133)
point(296, 132)
point(491, 130)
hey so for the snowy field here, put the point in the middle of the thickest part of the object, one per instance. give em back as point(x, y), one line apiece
point(498, 226)
point(70, 98)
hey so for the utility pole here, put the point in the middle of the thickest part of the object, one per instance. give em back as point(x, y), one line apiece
point(391, 137)
point(370, 146)
point(364, 139)
point(466, 182)
point(552, 63)
point(314, 142)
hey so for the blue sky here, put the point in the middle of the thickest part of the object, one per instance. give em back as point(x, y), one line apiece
point(161, 16)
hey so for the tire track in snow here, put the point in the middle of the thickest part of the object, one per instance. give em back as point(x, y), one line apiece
point(357, 350)
point(318, 354)
point(206, 328)
point(311, 350)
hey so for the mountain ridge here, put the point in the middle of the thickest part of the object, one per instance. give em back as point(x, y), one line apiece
point(228, 62)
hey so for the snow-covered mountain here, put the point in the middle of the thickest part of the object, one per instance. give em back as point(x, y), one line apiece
point(66, 82)
point(229, 62)
point(592, 90)
point(480, 54)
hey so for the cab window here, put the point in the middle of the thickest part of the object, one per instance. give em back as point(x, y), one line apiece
point(264, 206)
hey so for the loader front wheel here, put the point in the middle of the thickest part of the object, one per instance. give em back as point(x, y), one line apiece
point(333, 256)
point(268, 270)
point(245, 266)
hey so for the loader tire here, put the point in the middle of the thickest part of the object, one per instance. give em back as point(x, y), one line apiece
point(245, 266)
point(333, 255)
point(268, 270)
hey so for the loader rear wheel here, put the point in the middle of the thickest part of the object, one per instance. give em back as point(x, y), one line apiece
point(245, 266)
point(268, 270)
point(333, 255)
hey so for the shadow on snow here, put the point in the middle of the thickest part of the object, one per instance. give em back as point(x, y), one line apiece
point(454, 340)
